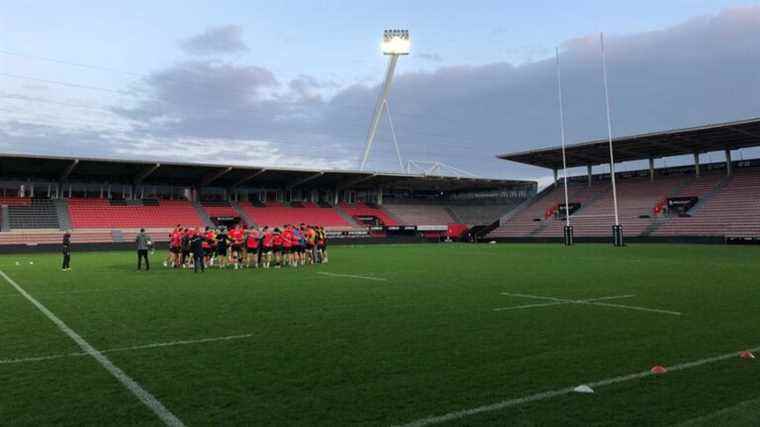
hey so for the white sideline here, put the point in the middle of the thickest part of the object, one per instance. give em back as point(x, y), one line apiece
point(136, 389)
point(79, 291)
point(122, 349)
point(452, 416)
point(591, 301)
point(353, 276)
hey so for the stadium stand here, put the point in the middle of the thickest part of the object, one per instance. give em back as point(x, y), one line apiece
point(35, 214)
point(15, 201)
point(219, 208)
point(729, 208)
point(637, 198)
point(423, 214)
point(102, 213)
point(277, 214)
point(365, 210)
point(533, 218)
point(480, 214)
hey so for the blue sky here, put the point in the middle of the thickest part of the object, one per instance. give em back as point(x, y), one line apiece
point(300, 60)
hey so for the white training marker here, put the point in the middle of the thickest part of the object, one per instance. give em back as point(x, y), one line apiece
point(584, 389)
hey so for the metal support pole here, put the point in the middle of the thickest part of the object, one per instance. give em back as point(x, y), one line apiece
point(568, 227)
point(728, 163)
point(696, 165)
point(379, 108)
point(651, 169)
point(617, 229)
point(393, 133)
point(590, 175)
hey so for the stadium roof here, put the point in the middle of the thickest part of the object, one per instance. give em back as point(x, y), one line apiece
point(93, 170)
point(702, 139)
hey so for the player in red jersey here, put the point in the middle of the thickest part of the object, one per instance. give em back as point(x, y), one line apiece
point(267, 246)
point(277, 247)
point(252, 247)
point(236, 236)
point(175, 247)
point(171, 256)
point(185, 258)
point(311, 244)
point(287, 246)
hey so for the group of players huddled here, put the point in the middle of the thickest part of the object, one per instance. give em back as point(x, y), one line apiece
point(246, 247)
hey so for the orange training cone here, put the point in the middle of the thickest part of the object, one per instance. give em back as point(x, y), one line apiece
point(658, 370)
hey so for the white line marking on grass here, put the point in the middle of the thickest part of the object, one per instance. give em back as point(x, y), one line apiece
point(123, 349)
point(556, 301)
point(136, 389)
point(522, 307)
point(633, 307)
point(353, 276)
point(564, 300)
point(594, 300)
point(504, 404)
point(590, 301)
point(81, 291)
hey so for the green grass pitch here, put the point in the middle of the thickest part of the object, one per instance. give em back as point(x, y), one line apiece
point(299, 347)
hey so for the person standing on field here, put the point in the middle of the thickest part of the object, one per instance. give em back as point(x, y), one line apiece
point(66, 251)
point(143, 245)
point(196, 247)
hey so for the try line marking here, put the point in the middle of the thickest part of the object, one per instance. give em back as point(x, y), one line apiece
point(457, 415)
point(136, 389)
point(122, 349)
point(354, 276)
point(592, 301)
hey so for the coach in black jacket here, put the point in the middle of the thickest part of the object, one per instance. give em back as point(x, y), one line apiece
point(66, 251)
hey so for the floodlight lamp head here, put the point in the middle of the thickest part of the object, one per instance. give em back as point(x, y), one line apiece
point(396, 42)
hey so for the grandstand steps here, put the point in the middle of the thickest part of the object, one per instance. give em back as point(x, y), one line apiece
point(541, 227)
point(64, 220)
point(710, 194)
point(418, 214)
point(522, 206)
point(682, 185)
point(202, 214)
point(244, 216)
point(390, 215)
point(348, 218)
point(4, 226)
point(652, 228)
point(454, 216)
point(595, 197)
point(117, 236)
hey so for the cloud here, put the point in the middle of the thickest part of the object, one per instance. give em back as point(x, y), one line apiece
point(428, 56)
point(700, 71)
point(217, 40)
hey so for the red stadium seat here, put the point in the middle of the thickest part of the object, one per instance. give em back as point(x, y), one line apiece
point(100, 213)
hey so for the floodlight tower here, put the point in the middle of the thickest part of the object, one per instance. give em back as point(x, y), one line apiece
point(395, 43)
